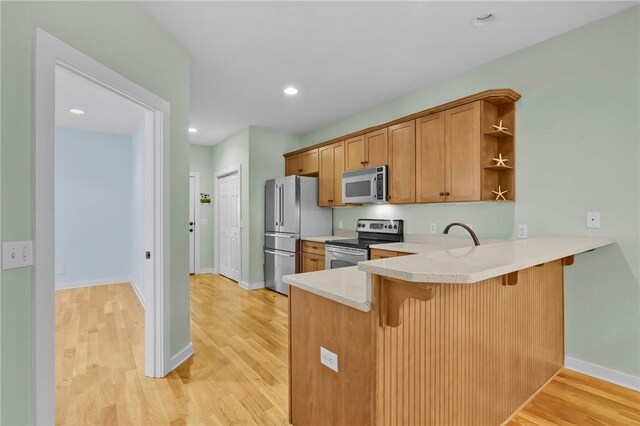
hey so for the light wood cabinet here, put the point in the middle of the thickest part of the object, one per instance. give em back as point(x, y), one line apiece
point(331, 167)
point(305, 163)
point(448, 155)
point(382, 254)
point(463, 153)
point(366, 151)
point(312, 256)
point(402, 163)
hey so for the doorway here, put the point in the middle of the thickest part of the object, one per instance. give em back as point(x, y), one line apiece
point(194, 223)
point(52, 53)
point(229, 223)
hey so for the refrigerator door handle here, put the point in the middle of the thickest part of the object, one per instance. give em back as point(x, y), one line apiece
point(276, 205)
point(281, 204)
point(279, 253)
point(271, 234)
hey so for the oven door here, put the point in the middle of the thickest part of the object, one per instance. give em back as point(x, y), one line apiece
point(343, 257)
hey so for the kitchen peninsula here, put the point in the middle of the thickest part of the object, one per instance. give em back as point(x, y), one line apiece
point(459, 336)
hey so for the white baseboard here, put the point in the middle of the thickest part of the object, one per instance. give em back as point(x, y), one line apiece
point(602, 373)
point(180, 357)
point(138, 292)
point(92, 283)
point(206, 271)
point(251, 286)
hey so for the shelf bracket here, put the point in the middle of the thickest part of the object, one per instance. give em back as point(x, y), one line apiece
point(510, 279)
point(394, 293)
point(568, 261)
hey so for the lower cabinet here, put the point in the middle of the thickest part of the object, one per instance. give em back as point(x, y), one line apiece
point(312, 256)
point(384, 254)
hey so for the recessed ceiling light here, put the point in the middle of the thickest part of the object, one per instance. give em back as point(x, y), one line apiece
point(483, 20)
point(193, 130)
point(76, 111)
point(291, 90)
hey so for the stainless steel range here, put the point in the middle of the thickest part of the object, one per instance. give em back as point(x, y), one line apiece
point(344, 253)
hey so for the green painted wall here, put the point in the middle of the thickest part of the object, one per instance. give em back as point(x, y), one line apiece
point(259, 151)
point(122, 36)
point(265, 162)
point(229, 153)
point(201, 160)
point(578, 151)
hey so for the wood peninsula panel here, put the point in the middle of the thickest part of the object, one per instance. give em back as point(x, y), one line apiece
point(320, 396)
point(473, 353)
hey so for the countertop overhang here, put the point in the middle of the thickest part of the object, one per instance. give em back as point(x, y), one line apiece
point(473, 264)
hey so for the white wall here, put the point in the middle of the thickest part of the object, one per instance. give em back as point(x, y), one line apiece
point(92, 207)
point(137, 211)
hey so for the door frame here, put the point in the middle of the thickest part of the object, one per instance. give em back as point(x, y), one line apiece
point(49, 53)
point(216, 234)
point(196, 226)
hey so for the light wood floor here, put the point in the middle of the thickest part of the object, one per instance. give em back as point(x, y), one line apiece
point(238, 374)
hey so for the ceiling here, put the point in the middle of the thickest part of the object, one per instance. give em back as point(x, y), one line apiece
point(104, 111)
point(342, 56)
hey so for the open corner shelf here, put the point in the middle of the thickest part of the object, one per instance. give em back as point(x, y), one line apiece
point(498, 134)
point(498, 167)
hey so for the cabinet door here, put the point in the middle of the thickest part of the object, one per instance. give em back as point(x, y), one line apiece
point(382, 254)
point(354, 153)
point(402, 163)
point(319, 263)
point(463, 141)
point(375, 144)
point(309, 162)
point(308, 262)
point(430, 159)
point(291, 165)
point(325, 176)
point(338, 169)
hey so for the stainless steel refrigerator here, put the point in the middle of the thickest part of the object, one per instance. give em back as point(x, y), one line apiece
point(291, 214)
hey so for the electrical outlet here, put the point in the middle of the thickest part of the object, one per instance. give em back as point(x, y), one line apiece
point(60, 270)
point(328, 359)
point(593, 220)
point(17, 254)
point(432, 228)
point(522, 231)
point(339, 224)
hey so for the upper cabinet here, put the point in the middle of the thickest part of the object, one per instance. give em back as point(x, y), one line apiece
point(304, 163)
point(402, 163)
point(331, 160)
point(460, 151)
point(364, 151)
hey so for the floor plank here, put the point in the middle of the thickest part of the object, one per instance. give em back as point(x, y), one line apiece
point(238, 374)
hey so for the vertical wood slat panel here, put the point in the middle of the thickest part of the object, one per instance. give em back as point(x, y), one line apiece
point(473, 353)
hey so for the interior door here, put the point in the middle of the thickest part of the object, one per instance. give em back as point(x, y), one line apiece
point(192, 224)
point(229, 220)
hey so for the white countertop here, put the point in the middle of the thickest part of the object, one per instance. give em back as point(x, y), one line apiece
point(348, 286)
point(438, 264)
point(322, 239)
point(472, 264)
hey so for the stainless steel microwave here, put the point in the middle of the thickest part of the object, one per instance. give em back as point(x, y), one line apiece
point(365, 186)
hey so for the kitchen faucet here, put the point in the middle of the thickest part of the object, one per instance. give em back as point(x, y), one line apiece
point(476, 241)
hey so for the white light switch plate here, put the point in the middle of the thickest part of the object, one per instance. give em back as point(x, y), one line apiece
point(522, 231)
point(17, 254)
point(432, 228)
point(328, 359)
point(593, 220)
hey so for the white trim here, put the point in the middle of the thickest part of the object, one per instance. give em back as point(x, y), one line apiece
point(216, 243)
point(92, 283)
point(207, 271)
point(49, 53)
point(251, 286)
point(182, 356)
point(138, 292)
point(602, 373)
point(196, 213)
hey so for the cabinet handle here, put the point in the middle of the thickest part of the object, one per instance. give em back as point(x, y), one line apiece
point(441, 194)
point(330, 201)
point(366, 162)
point(447, 193)
point(300, 170)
